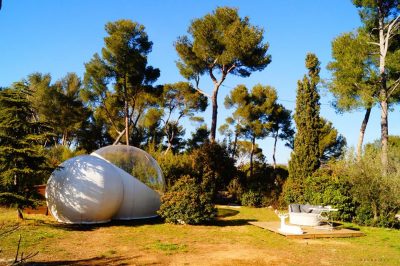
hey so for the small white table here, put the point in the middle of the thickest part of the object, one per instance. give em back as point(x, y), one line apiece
point(327, 210)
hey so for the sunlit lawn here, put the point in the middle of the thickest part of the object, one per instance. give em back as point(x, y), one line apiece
point(230, 240)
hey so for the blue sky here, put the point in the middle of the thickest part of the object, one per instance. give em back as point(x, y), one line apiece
point(58, 37)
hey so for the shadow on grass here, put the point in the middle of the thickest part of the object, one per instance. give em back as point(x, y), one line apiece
point(222, 212)
point(347, 226)
point(91, 227)
point(234, 222)
point(219, 221)
point(102, 260)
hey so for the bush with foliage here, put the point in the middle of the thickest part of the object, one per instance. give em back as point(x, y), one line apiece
point(325, 188)
point(213, 166)
point(60, 153)
point(377, 195)
point(292, 192)
point(252, 198)
point(264, 187)
point(358, 189)
point(187, 203)
point(173, 166)
point(277, 177)
point(235, 189)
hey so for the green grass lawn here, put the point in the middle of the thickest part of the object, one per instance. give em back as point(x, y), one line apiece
point(230, 240)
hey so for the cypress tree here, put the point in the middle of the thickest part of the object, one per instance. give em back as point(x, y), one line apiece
point(305, 156)
point(22, 160)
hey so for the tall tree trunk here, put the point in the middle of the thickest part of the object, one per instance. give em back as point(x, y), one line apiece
point(170, 138)
point(126, 107)
point(234, 145)
point(375, 211)
point(20, 214)
point(273, 153)
point(251, 156)
point(168, 148)
point(126, 122)
point(214, 100)
point(64, 139)
point(214, 97)
point(362, 133)
point(383, 45)
point(384, 135)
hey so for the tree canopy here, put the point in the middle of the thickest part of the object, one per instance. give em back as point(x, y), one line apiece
point(180, 98)
point(254, 111)
point(381, 21)
point(221, 42)
point(22, 160)
point(124, 65)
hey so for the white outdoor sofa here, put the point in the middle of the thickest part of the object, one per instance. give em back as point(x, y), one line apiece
point(308, 215)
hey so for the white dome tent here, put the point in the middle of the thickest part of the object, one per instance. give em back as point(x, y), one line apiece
point(114, 182)
point(84, 189)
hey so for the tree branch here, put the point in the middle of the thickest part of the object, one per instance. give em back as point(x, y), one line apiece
point(8, 230)
point(181, 114)
point(214, 63)
point(394, 21)
point(393, 87)
point(120, 134)
point(388, 33)
point(171, 109)
point(108, 114)
point(202, 92)
point(374, 43)
point(17, 252)
point(231, 68)
point(137, 118)
point(214, 80)
point(197, 80)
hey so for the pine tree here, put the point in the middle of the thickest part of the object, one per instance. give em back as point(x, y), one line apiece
point(254, 110)
point(120, 81)
point(305, 156)
point(22, 162)
point(381, 22)
point(221, 42)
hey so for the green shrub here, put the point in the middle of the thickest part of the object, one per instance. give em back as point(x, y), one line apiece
point(211, 163)
point(278, 177)
point(58, 154)
point(377, 195)
point(293, 191)
point(324, 187)
point(252, 198)
point(235, 189)
point(358, 189)
point(364, 215)
point(173, 166)
point(265, 184)
point(187, 202)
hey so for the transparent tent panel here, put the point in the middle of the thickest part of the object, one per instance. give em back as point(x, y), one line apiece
point(136, 162)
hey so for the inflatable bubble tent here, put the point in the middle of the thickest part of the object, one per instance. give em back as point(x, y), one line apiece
point(115, 182)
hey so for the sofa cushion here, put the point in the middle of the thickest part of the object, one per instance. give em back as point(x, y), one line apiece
point(316, 209)
point(306, 208)
point(295, 208)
